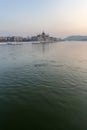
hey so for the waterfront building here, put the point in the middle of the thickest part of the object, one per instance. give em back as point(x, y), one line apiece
point(17, 39)
point(41, 38)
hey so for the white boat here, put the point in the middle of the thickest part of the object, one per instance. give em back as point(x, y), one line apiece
point(43, 42)
point(14, 43)
point(36, 42)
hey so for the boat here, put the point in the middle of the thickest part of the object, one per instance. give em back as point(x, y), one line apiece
point(43, 42)
point(36, 42)
point(13, 43)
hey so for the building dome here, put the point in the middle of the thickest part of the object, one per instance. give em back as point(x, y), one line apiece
point(43, 33)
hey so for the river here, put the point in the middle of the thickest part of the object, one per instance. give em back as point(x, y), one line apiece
point(43, 86)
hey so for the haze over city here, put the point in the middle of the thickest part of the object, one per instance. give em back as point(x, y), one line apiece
point(56, 17)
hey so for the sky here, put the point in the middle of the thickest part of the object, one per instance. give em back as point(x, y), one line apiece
point(55, 17)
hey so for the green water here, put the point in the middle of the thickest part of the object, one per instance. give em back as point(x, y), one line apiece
point(43, 86)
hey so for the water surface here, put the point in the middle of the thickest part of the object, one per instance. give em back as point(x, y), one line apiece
point(43, 86)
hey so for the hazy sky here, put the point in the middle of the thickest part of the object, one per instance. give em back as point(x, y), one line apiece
point(56, 17)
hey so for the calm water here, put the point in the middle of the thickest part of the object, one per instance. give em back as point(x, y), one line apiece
point(43, 86)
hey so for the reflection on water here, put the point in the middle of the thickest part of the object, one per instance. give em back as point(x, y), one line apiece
point(43, 86)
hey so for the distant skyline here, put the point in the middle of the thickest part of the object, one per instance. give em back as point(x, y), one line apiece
point(55, 17)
